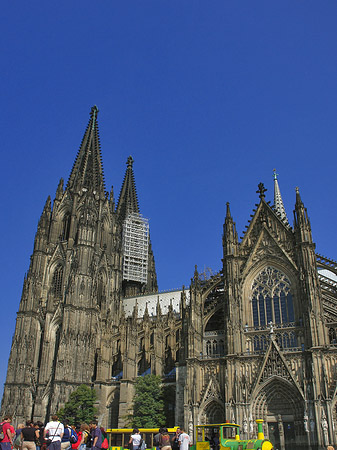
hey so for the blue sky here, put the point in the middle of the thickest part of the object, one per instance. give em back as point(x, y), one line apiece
point(207, 96)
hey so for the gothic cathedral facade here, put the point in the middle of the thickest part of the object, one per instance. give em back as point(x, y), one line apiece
point(256, 340)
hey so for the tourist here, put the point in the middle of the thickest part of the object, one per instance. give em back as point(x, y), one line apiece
point(54, 430)
point(83, 435)
point(17, 440)
point(40, 441)
point(96, 435)
point(105, 444)
point(156, 438)
point(65, 441)
point(9, 433)
point(165, 440)
point(29, 436)
point(184, 440)
point(135, 439)
point(175, 440)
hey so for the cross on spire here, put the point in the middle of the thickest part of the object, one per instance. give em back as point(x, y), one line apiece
point(129, 162)
point(261, 190)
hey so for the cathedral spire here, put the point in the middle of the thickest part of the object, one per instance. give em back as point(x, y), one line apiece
point(128, 202)
point(302, 225)
point(87, 171)
point(230, 237)
point(278, 202)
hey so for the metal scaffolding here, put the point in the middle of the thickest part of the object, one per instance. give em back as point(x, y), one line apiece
point(135, 247)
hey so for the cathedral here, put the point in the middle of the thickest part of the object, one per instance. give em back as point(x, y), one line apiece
point(255, 340)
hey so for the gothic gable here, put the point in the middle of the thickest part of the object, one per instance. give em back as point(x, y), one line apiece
point(274, 365)
point(58, 255)
point(266, 219)
point(266, 246)
point(212, 391)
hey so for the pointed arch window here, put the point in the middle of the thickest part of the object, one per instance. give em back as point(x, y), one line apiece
point(56, 286)
point(272, 300)
point(66, 227)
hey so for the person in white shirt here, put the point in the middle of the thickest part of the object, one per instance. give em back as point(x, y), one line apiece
point(184, 440)
point(135, 439)
point(54, 432)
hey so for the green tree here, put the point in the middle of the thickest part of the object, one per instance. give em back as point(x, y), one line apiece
point(148, 404)
point(80, 406)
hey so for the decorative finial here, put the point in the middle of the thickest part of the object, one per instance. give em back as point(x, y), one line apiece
point(94, 111)
point(275, 174)
point(129, 162)
point(261, 190)
point(93, 114)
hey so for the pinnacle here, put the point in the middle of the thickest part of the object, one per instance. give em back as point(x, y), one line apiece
point(128, 201)
point(87, 171)
point(278, 202)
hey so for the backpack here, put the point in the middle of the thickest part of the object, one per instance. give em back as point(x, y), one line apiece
point(73, 438)
point(89, 441)
point(2, 434)
point(17, 441)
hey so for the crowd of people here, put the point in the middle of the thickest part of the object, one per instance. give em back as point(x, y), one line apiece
point(55, 435)
point(162, 440)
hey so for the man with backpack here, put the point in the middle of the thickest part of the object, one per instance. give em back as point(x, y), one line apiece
point(96, 435)
point(54, 430)
point(8, 433)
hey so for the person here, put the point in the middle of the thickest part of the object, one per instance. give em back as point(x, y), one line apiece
point(29, 436)
point(135, 439)
point(17, 440)
point(40, 441)
point(165, 441)
point(330, 447)
point(96, 435)
point(184, 440)
point(215, 443)
point(156, 438)
point(76, 432)
point(175, 440)
point(55, 430)
point(9, 433)
point(83, 436)
point(65, 441)
point(105, 443)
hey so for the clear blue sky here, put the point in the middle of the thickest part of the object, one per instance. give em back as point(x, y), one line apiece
point(207, 96)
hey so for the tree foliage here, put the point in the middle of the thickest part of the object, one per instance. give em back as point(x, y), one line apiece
point(148, 404)
point(80, 406)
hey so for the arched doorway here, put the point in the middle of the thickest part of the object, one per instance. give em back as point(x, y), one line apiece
point(213, 413)
point(281, 405)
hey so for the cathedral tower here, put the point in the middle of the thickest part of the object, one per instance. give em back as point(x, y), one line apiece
point(73, 287)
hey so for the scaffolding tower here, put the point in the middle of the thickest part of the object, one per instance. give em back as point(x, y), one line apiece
point(135, 248)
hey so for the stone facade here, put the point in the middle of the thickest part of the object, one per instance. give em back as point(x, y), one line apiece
point(256, 340)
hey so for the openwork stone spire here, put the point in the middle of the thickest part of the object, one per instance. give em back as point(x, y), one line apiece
point(87, 172)
point(278, 202)
point(128, 202)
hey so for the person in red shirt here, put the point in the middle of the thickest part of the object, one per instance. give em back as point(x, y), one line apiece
point(9, 432)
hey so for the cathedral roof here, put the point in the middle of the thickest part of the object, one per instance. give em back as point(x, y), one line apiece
point(128, 202)
point(150, 301)
point(87, 171)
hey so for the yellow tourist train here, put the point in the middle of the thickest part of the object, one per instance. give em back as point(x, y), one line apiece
point(223, 436)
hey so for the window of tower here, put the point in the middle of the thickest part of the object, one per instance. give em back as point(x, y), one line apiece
point(56, 286)
point(272, 300)
point(66, 227)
